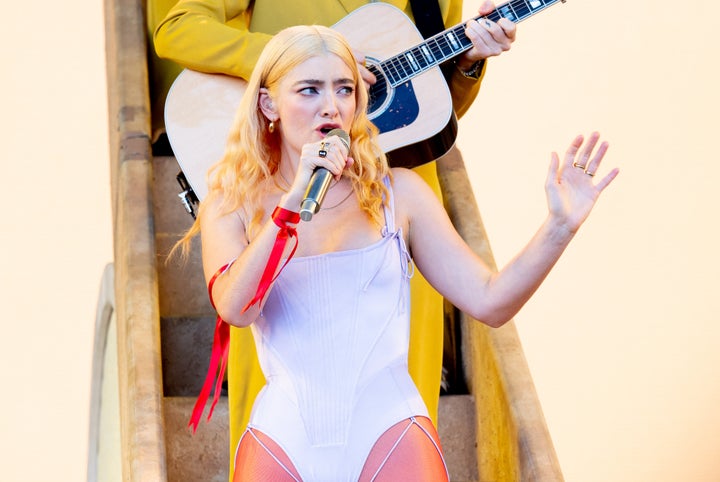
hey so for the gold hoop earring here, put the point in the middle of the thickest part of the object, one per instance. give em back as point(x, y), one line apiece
point(271, 127)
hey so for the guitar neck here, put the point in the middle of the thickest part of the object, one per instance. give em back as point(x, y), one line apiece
point(453, 42)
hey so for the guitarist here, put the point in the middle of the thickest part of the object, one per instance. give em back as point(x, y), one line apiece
point(227, 36)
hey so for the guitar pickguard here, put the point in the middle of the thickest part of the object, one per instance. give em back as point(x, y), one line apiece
point(391, 108)
point(402, 111)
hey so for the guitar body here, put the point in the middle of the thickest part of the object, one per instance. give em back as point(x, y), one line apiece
point(410, 103)
point(199, 111)
point(415, 119)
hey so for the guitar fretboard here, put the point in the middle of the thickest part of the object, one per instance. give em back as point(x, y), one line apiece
point(452, 42)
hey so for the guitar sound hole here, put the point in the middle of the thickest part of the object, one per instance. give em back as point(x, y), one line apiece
point(379, 92)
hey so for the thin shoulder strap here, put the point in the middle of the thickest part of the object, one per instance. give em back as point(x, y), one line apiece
point(389, 208)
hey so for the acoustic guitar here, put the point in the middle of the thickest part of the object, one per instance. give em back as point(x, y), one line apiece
point(410, 103)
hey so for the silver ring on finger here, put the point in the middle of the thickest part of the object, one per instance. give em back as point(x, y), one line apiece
point(323, 150)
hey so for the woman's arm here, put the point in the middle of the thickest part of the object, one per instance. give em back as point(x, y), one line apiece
point(224, 240)
point(462, 277)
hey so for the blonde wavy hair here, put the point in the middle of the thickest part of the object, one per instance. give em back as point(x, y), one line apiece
point(252, 154)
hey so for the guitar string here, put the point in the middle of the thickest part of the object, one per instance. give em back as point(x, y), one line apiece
point(441, 48)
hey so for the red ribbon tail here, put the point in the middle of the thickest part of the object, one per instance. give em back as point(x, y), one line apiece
point(218, 358)
point(224, 349)
point(269, 275)
point(221, 340)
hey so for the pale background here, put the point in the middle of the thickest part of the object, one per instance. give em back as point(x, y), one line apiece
point(621, 340)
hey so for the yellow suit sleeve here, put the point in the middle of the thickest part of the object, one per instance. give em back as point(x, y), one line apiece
point(210, 36)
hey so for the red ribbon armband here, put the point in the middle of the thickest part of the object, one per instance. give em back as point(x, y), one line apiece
point(221, 341)
point(280, 217)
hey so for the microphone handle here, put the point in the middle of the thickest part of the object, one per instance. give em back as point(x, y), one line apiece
point(318, 186)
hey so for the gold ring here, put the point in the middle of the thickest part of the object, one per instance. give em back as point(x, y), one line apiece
point(323, 150)
point(575, 164)
point(591, 174)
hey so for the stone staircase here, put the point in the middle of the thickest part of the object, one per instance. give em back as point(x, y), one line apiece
point(163, 323)
point(186, 332)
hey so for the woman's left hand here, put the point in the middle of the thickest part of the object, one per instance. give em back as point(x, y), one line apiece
point(571, 187)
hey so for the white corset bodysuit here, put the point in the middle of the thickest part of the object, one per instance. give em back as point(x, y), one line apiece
point(333, 343)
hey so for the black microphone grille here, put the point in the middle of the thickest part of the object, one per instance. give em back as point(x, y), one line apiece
point(342, 135)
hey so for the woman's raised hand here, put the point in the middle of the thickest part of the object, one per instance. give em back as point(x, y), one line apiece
point(571, 186)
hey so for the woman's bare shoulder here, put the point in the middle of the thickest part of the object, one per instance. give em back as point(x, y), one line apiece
point(214, 211)
point(408, 185)
point(404, 178)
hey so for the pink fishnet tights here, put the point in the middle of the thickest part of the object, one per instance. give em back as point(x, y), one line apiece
point(404, 452)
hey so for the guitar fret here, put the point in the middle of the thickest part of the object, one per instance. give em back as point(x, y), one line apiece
point(407, 69)
point(452, 39)
point(427, 55)
point(508, 12)
point(451, 42)
point(390, 71)
point(435, 49)
point(419, 58)
point(399, 69)
point(460, 32)
point(412, 62)
point(441, 46)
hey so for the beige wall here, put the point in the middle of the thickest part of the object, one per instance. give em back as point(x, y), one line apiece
point(56, 233)
point(621, 339)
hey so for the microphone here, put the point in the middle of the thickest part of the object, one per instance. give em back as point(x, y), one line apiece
point(319, 182)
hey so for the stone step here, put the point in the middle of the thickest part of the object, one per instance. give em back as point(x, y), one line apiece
point(186, 343)
point(456, 427)
point(205, 455)
point(182, 288)
point(170, 215)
